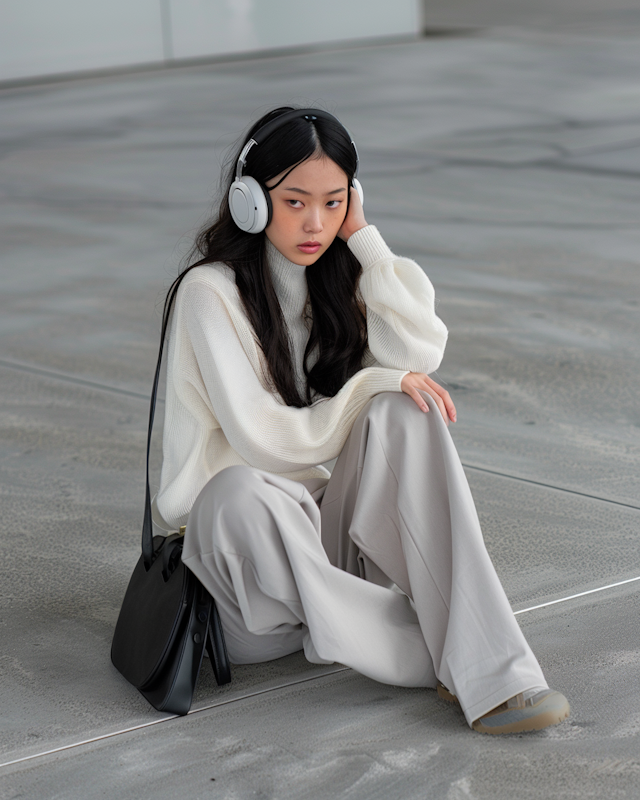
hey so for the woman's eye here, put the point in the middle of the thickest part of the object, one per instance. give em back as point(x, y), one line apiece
point(333, 203)
point(292, 203)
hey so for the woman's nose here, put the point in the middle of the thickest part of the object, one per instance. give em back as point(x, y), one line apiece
point(313, 222)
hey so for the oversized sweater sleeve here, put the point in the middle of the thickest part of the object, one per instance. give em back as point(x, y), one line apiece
point(403, 328)
point(257, 424)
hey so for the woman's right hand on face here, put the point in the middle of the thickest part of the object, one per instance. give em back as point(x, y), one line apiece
point(354, 220)
point(418, 380)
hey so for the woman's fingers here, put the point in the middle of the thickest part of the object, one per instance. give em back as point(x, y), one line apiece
point(409, 387)
point(439, 403)
point(415, 394)
point(415, 382)
point(423, 405)
point(446, 397)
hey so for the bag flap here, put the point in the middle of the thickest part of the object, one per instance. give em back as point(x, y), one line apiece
point(151, 615)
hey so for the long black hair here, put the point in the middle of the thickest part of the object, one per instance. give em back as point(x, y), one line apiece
point(339, 329)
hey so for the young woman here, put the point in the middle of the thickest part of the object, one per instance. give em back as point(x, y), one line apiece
point(298, 337)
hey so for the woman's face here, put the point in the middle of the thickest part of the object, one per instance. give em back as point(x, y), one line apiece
point(309, 207)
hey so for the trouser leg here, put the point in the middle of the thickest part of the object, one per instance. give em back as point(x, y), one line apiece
point(253, 540)
point(398, 497)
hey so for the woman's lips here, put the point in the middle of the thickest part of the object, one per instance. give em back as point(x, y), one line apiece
point(309, 247)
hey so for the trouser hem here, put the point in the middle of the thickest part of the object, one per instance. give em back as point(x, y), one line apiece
point(482, 707)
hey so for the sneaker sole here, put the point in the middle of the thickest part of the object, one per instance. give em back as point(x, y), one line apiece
point(537, 722)
point(445, 694)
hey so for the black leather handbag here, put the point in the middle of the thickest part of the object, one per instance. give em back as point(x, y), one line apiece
point(167, 618)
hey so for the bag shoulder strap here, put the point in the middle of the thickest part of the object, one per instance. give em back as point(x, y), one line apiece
point(147, 524)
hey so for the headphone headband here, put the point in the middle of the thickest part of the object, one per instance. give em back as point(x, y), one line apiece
point(265, 131)
point(308, 113)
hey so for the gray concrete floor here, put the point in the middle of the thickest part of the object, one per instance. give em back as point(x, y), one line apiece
point(508, 164)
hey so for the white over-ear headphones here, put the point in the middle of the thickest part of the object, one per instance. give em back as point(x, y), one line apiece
point(249, 201)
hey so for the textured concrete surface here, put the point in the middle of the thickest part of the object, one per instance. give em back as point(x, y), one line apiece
point(508, 165)
point(346, 736)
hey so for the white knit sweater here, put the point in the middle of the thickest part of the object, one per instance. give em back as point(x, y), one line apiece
point(219, 410)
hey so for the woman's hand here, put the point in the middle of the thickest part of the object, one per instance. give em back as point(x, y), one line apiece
point(354, 220)
point(418, 380)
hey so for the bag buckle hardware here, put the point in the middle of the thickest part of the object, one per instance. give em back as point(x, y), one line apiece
point(183, 530)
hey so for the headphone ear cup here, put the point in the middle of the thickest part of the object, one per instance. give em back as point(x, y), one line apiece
point(250, 206)
point(358, 187)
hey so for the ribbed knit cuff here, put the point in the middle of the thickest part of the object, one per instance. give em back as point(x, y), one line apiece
point(368, 246)
point(387, 379)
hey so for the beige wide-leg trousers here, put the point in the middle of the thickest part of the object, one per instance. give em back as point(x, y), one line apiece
point(312, 566)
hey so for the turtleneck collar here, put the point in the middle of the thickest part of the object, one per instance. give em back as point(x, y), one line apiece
point(289, 281)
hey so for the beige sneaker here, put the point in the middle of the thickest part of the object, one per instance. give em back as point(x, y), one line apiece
point(518, 715)
point(445, 694)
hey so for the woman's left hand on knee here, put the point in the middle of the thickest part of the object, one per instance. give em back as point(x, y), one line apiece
point(414, 381)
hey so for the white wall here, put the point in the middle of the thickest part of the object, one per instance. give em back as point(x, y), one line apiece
point(43, 37)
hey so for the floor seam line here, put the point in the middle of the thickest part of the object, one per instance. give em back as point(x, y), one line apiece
point(192, 712)
point(548, 486)
point(61, 376)
point(579, 594)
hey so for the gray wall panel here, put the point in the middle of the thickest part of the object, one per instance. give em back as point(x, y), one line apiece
point(39, 37)
point(203, 27)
